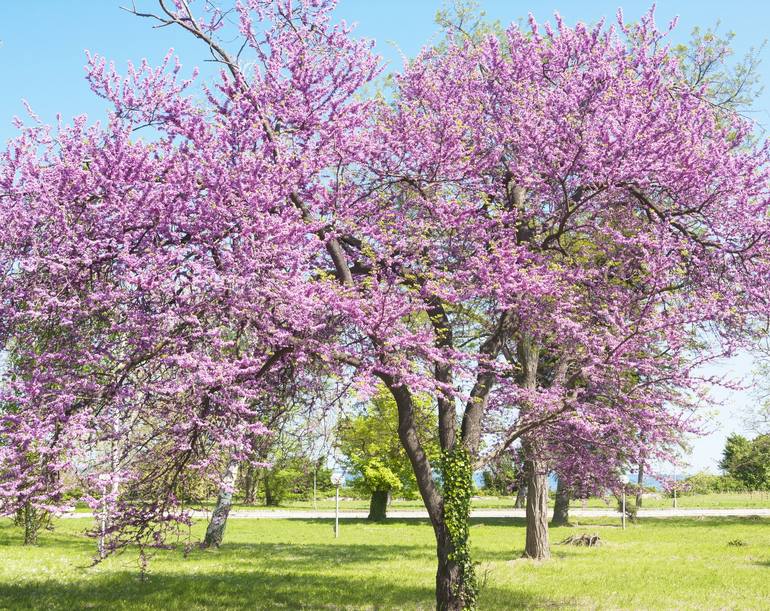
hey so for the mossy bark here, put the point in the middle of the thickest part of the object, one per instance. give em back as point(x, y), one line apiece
point(449, 577)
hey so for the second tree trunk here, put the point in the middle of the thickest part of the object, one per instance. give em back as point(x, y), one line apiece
point(561, 504)
point(537, 547)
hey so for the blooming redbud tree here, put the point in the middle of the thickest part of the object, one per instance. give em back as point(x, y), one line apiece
point(153, 289)
point(565, 229)
point(546, 232)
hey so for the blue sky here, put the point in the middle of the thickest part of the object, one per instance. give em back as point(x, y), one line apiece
point(42, 45)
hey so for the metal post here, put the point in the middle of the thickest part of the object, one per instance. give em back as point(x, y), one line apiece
point(337, 514)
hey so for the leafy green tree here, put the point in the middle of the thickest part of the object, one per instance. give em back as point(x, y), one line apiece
point(748, 461)
point(291, 477)
point(504, 476)
point(369, 441)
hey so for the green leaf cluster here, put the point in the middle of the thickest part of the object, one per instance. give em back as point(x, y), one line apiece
point(372, 450)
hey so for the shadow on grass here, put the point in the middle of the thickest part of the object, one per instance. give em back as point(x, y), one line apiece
point(242, 591)
point(255, 576)
point(221, 590)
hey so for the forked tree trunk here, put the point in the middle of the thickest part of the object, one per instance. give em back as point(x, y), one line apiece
point(456, 585)
point(521, 497)
point(561, 504)
point(537, 547)
point(216, 529)
point(450, 581)
point(378, 506)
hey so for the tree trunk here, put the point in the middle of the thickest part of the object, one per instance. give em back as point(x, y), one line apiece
point(270, 500)
point(537, 547)
point(30, 527)
point(535, 467)
point(31, 520)
point(561, 506)
point(378, 506)
point(216, 528)
point(639, 483)
point(521, 497)
point(250, 485)
point(448, 575)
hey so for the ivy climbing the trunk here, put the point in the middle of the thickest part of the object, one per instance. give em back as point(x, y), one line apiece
point(457, 476)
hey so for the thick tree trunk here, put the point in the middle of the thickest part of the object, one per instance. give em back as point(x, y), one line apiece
point(521, 497)
point(537, 547)
point(448, 575)
point(561, 505)
point(535, 468)
point(450, 581)
point(216, 529)
point(639, 483)
point(378, 506)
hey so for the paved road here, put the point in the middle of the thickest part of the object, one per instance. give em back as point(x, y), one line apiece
point(280, 514)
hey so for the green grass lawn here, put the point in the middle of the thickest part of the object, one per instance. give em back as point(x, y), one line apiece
point(698, 501)
point(297, 564)
point(724, 500)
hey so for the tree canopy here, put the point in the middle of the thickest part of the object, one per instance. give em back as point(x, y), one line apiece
point(748, 461)
point(546, 230)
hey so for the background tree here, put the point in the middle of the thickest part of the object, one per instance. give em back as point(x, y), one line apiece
point(748, 461)
point(505, 475)
point(368, 440)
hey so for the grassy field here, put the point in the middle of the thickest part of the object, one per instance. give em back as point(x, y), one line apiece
point(297, 564)
point(699, 501)
point(725, 500)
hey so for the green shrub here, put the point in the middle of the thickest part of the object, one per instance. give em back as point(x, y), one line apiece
point(707, 483)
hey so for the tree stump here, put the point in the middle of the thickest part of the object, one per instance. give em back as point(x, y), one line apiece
point(584, 540)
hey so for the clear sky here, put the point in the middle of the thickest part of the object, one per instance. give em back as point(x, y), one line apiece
point(42, 45)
